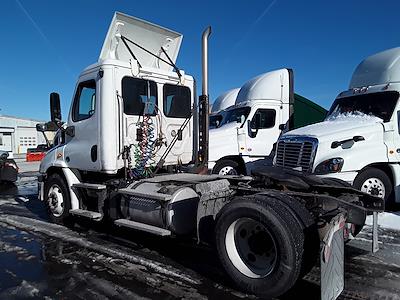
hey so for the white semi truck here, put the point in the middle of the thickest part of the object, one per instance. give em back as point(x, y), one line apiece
point(223, 102)
point(359, 142)
point(264, 107)
point(134, 125)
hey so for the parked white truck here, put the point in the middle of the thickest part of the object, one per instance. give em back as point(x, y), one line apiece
point(223, 102)
point(359, 142)
point(247, 131)
point(134, 115)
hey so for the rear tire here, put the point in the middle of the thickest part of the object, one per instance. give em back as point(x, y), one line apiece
point(227, 167)
point(58, 201)
point(260, 245)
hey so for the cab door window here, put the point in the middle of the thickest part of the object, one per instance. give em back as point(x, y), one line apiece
point(85, 101)
point(263, 119)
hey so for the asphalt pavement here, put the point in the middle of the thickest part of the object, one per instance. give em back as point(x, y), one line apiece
point(41, 260)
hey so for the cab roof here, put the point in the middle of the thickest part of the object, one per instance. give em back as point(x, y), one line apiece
point(380, 68)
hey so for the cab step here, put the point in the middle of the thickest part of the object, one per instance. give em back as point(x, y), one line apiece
point(93, 215)
point(142, 227)
point(90, 186)
point(148, 195)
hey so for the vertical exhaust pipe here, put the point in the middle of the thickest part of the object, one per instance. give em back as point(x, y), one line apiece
point(202, 158)
point(204, 58)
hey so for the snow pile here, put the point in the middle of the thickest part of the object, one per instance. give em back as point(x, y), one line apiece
point(354, 116)
point(386, 220)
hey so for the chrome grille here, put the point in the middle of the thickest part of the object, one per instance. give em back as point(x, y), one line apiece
point(296, 152)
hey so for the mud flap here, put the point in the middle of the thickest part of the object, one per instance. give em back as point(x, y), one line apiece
point(332, 259)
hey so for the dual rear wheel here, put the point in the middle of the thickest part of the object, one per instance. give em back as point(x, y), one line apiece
point(260, 243)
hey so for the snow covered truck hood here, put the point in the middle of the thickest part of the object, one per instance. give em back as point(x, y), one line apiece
point(345, 127)
point(340, 127)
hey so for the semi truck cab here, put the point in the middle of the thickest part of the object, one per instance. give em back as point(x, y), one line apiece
point(265, 107)
point(112, 95)
point(359, 140)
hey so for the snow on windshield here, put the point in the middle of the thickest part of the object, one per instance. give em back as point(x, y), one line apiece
point(352, 116)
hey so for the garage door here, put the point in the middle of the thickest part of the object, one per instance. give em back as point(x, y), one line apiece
point(27, 138)
point(5, 141)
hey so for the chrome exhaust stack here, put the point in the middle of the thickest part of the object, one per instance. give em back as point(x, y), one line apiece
point(202, 157)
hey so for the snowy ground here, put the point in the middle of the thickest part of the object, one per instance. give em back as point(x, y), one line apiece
point(46, 261)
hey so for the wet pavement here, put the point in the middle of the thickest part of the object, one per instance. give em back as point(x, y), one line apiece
point(41, 260)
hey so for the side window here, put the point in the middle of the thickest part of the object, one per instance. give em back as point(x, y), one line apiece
point(140, 96)
point(85, 101)
point(263, 119)
point(177, 101)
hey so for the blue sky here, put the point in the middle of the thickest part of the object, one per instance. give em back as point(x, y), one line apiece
point(46, 43)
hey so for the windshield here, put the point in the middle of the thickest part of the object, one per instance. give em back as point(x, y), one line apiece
point(380, 105)
point(237, 115)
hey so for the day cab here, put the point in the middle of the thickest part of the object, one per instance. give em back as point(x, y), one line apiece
point(359, 142)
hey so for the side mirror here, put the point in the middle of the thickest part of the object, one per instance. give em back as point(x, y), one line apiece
point(4, 155)
point(251, 128)
point(55, 108)
point(256, 121)
point(282, 127)
point(49, 126)
point(40, 127)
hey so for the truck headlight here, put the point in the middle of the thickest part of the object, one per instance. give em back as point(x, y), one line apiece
point(332, 165)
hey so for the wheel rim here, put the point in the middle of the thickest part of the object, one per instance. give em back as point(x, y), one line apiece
point(374, 186)
point(228, 170)
point(56, 200)
point(251, 248)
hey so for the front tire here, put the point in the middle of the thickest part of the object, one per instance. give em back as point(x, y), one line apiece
point(57, 199)
point(227, 167)
point(260, 245)
point(374, 182)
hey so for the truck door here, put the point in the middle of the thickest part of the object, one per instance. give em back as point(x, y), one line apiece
point(81, 150)
point(262, 132)
point(141, 124)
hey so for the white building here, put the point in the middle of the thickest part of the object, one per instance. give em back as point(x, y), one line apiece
point(19, 134)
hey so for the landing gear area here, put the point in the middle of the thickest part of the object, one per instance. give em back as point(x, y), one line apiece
point(41, 259)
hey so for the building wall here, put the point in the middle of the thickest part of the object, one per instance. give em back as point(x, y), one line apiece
point(18, 134)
